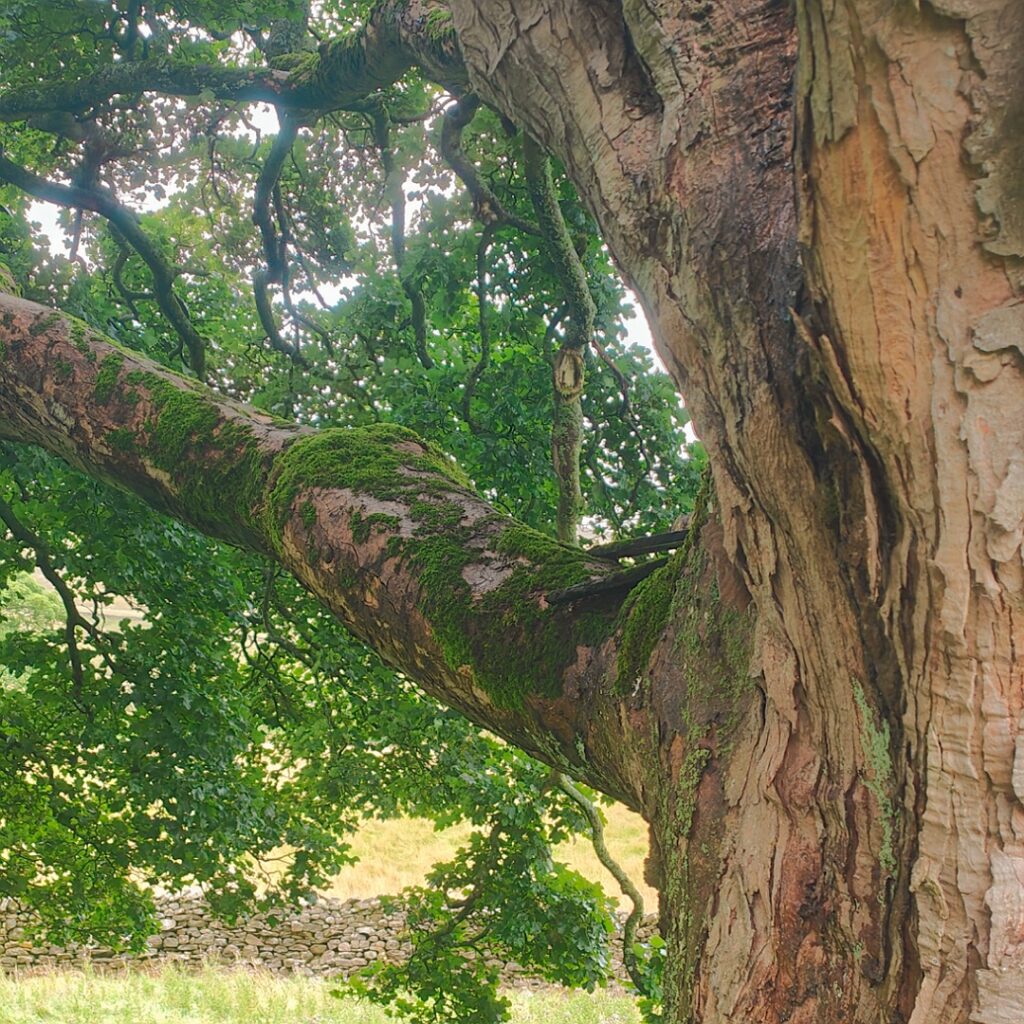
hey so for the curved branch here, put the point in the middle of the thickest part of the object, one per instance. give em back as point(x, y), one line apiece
point(73, 619)
point(341, 72)
point(626, 884)
point(275, 245)
point(487, 208)
point(569, 270)
point(125, 223)
point(394, 189)
point(485, 328)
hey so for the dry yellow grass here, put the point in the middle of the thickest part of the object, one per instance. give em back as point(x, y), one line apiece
point(395, 854)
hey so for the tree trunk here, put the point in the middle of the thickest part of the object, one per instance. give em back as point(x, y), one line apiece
point(818, 707)
point(833, 276)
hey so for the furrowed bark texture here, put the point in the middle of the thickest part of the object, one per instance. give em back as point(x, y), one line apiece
point(832, 275)
point(913, 227)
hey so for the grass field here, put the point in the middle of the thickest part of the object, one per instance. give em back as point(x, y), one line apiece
point(394, 854)
point(172, 996)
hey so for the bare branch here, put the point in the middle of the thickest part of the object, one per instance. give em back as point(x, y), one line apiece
point(394, 188)
point(275, 244)
point(73, 619)
point(626, 884)
point(487, 208)
point(125, 224)
point(484, 361)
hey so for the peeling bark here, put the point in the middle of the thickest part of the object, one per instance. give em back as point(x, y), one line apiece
point(849, 347)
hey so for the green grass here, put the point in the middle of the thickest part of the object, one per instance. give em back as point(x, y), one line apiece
point(173, 996)
point(398, 853)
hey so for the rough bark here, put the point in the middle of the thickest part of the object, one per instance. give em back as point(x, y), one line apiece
point(818, 708)
point(865, 452)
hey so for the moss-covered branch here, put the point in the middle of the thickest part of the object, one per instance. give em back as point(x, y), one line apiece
point(380, 525)
point(340, 72)
point(567, 368)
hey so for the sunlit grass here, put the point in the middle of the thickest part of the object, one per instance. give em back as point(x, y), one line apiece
point(395, 854)
point(173, 996)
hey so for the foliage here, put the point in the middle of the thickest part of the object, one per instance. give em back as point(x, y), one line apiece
point(501, 898)
point(237, 717)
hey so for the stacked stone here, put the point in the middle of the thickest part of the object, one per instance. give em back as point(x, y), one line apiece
point(327, 938)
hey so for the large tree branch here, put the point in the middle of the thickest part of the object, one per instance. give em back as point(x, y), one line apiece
point(341, 72)
point(379, 525)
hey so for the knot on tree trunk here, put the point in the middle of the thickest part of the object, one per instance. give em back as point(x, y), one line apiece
point(568, 373)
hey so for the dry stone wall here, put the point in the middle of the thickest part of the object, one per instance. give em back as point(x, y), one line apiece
point(328, 938)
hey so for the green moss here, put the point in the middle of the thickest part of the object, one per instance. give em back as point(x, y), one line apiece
point(646, 613)
point(79, 334)
point(365, 460)
point(690, 774)
point(122, 439)
point(63, 371)
point(302, 66)
point(438, 515)
point(514, 645)
point(107, 377)
point(362, 526)
point(216, 465)
point(308, 514)
point(440, 25)
point(525, 542)
point(881, 779)
point(184, 419)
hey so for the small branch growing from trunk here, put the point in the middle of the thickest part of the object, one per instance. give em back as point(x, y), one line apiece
point(604, 855)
